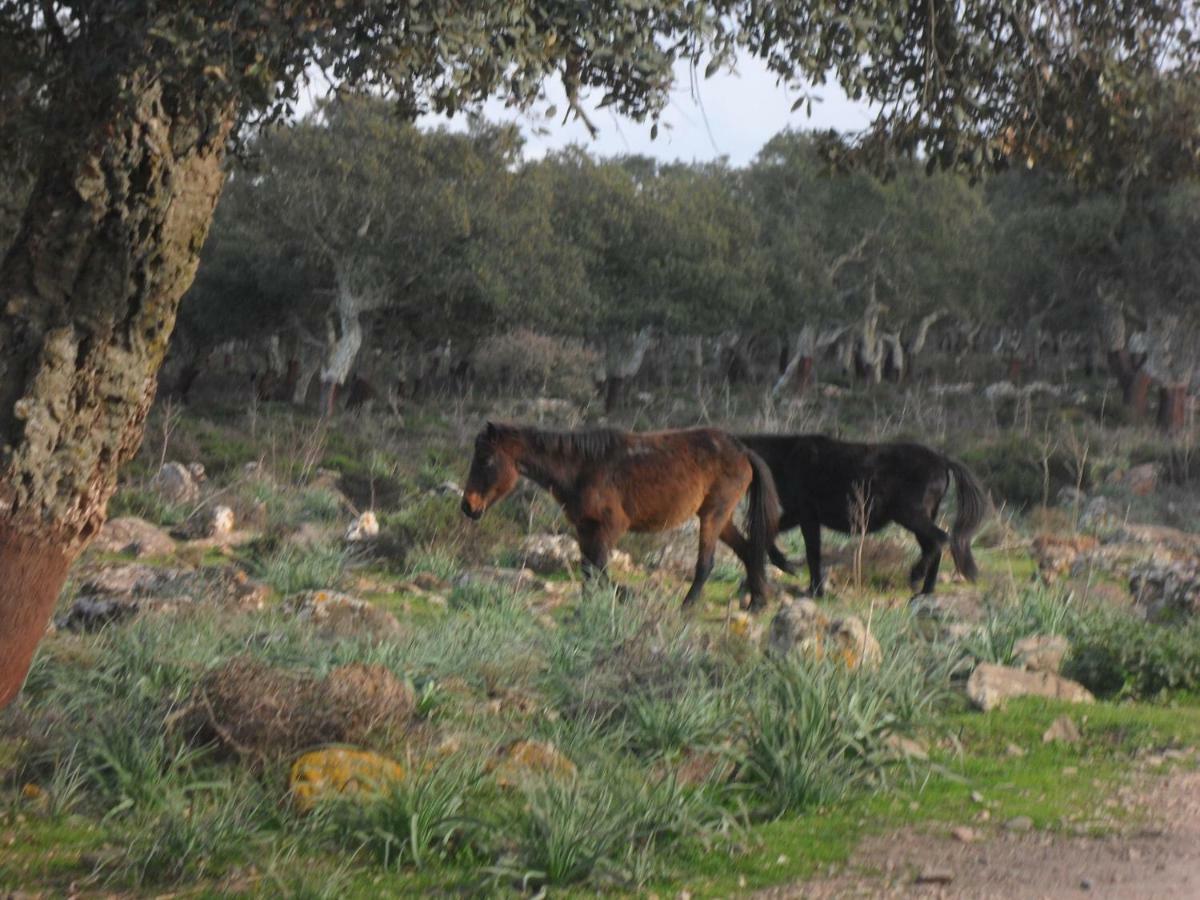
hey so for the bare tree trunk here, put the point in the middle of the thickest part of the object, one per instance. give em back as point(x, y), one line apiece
point(623, 360)
point(1172, 407)
point(799, 368)
point(89, 290)
point(343, 341)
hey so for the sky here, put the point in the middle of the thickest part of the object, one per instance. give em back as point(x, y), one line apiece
point(731, 115)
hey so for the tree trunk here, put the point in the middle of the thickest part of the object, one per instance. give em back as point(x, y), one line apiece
point(1139, 394)
point(89, 290)
point(1172, 407)
point(623, 360)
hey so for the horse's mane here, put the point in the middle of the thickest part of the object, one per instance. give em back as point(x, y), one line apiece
point(591, 445)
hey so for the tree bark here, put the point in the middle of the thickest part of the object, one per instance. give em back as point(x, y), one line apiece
point(1172, 407)
point(623, 360)
point(89, 290)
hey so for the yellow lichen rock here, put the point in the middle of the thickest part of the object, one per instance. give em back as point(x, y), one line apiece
point(321, 774)
point(523, 759)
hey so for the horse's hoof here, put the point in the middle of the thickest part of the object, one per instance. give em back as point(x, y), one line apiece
point(756, 605)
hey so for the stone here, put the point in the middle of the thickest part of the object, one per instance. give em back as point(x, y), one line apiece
point(1062, 730)
point(341, 772)
point(849, 639)
point(1071, 496)
point(797, 625)
point(934, 875)
point(1019, 823)
point(176, 484)
point(964, 834)
point(1041, 652)
point(906, 747)
point(221, 521)
point(129, 534)
point(1056, 554)
point(1166, 592)
point(1099, 513)
point(523, 759)
point(216, 523)
point(549, 554)
point(991, 685)
point(363, 528)
point(800, 626)
point(1143, 480)
point(341, 615)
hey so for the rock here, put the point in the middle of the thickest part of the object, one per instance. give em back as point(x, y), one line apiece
point(964, 834)
point(1056, 554)
point(116, 593)
point(341, 771)
point(1019, 823)
point(1099, 513)
point(340, 615)
point(905, 747)
point(221, 522)
point(935, 876)
point(701, 767)
point(510, 579)
point(1071, 496)
point(1064, 730)
point(446, 489)
point(1143, 480)
point(990, 686)
point(744, 625)
point(93, 613)
point(849, 639)
point(176, 484)
point(1166, 592)
point(799, 625)
point(216, 523)
point(548, 554)
point(129, 534)
point(1184, 544)
point(364, 528)
point(1041, 652)
point(1014, 751)
point(523, 759)
point(196, 470)
point(676, 551)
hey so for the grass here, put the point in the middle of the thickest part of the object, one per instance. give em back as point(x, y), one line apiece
point(699, 765)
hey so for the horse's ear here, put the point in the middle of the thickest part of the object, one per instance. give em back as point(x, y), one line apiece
point(491, 429)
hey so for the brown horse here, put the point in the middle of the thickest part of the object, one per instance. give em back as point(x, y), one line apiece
point(610, 482)
point(850, 487)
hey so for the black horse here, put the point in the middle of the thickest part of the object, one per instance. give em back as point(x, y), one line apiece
point(848, 486)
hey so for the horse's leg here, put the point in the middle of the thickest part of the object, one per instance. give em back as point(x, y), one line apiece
point(811, 529)
point(754, 580)
point(737, 542)
point(715, 513)
point(596, 540)
point(932, 540)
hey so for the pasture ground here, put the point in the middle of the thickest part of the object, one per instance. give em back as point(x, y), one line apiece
point(676, 757)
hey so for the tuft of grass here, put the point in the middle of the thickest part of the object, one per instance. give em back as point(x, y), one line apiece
point(421, 821)
point(1115, 654)
point(292, 567)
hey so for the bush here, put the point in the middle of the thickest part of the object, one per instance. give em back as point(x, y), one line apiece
point(1018, 472)
point(524, 361)
point(1115, 654)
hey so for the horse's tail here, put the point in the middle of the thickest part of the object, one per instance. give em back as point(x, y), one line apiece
point(972, 507)
point(762, 519)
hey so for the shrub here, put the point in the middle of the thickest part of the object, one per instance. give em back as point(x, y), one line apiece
point(524, 361)
point(1019, 472)
point(1115, 654)
point(292, 568)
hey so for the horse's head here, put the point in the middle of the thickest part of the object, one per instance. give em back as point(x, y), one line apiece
point(493, 473)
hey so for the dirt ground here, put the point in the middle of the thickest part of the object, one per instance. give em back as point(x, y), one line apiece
point(1158, 858)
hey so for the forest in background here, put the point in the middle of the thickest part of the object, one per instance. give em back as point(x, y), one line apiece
point(356, 256)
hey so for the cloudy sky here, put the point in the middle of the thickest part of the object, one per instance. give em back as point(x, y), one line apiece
point(730, 114)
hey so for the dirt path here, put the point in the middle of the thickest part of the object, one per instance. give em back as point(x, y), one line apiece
point(1159, 860)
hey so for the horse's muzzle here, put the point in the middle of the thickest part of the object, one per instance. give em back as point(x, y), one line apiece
point(470, 513)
